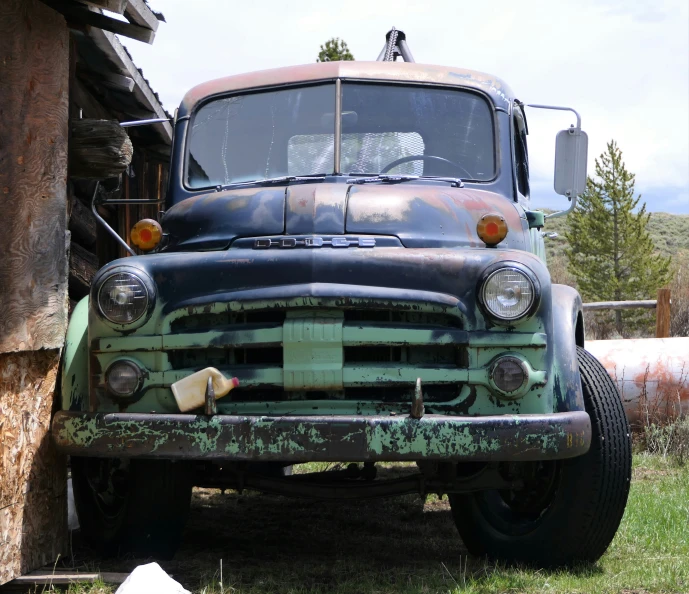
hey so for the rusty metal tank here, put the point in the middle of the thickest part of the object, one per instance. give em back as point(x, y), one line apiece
point(652, 375)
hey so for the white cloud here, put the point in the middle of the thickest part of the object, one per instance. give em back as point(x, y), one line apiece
point(623, 65)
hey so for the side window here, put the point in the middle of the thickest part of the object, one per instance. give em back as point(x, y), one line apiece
point(521, 153)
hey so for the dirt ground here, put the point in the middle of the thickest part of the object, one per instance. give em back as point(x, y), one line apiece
point(288, 543)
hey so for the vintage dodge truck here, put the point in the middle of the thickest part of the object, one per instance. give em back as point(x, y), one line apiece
point(353, 242)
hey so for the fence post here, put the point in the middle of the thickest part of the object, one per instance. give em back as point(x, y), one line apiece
point(663, 313)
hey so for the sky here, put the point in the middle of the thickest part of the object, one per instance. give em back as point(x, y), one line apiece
point(622, 64)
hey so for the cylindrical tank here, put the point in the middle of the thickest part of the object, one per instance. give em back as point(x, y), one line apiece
point(652, 375)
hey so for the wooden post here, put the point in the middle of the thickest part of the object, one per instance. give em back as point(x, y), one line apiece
point(663, 313)
point(34, 81)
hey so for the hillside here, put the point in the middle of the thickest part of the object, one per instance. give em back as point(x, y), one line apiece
point(670, 233)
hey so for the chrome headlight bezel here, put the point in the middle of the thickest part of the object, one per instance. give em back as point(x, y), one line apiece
point(519, 268)
point(141, 277)
point(136, 392)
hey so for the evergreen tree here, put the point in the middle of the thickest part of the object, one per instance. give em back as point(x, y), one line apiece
point(334, 49)
point(611, 254)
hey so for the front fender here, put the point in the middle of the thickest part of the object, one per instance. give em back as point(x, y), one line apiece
point(567, 332)
point(75, 370)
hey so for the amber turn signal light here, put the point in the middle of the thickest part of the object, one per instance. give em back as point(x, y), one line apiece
point(146, 234)
point(492, 229)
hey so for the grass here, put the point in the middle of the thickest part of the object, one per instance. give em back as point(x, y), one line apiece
point(404, 545)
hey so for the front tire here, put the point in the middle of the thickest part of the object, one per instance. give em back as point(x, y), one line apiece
point(137, 506)
point(569, 510)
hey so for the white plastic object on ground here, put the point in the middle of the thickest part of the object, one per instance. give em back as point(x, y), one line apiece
point(149, 579)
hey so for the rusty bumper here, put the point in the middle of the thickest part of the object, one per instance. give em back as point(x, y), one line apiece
point(323, 438)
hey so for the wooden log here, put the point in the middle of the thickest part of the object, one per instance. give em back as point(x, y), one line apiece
point(663, 314)
point(83, 266)
point(98, 149)
point(82, 223)
point(33, 496)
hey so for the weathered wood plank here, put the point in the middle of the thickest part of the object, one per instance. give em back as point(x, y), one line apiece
point(138, 12)
point(34, 75)
point(49, 576)
point(116, 6)
point(83, 266)
point(82, 223)
point(82, 15)
point(85, 101)
point(143, 93)
point(99, 149)
point(33, 501)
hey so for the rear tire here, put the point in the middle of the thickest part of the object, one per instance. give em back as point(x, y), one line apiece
point(570, 510)
point(137, 506)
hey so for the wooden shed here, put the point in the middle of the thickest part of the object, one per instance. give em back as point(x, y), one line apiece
point(60, 62)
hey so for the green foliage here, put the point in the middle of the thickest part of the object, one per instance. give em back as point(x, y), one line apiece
point(611, 253)
point(335, 49)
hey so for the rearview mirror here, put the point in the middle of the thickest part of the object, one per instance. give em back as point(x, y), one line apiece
point(571, 152)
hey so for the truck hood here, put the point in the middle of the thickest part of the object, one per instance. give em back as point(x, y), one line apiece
point(420, 215)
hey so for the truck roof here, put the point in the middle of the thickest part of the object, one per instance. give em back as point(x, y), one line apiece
point(414, 73)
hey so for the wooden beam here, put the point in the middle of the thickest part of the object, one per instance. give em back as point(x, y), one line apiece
point(663, 314)
point(34, 89)
point(138, 13)
point(82, 223)
point(90, 106)
point(117, 81)
point(52, 577)
point(116, 6)
point(143, 93)
point(106, 78)
point(600, 305)
point(83, 266)
point(76, 13)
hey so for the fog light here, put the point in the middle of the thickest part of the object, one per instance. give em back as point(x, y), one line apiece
point(509, 374)
point(123, 378)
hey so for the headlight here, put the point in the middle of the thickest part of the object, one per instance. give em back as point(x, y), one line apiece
point(123, 378)
point(123, 298)
point(508, 294)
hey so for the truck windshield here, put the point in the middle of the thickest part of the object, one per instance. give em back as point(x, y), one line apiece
point(385, 128)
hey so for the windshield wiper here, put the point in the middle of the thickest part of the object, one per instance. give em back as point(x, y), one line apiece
point(285, 179)
point(455, 181)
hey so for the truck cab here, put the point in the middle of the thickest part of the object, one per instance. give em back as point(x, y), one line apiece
point(353, 242)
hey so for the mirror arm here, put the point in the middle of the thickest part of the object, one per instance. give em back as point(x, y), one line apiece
point(572, 206)
point(103, 222)
point(574, 111)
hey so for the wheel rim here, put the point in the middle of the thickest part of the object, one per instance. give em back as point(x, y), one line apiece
point(518, 512)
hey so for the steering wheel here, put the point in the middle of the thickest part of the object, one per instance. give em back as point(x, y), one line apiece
point(397, 162)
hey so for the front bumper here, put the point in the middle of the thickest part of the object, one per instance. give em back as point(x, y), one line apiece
point(332, 438)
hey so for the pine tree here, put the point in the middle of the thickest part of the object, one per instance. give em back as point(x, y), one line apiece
point(611, 254)
point(334, 49)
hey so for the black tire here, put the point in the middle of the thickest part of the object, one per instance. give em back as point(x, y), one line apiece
point(138, 507)
point(582, 499)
